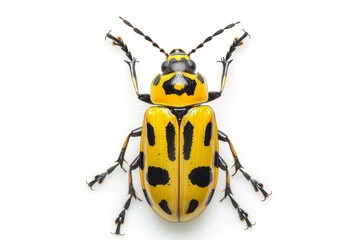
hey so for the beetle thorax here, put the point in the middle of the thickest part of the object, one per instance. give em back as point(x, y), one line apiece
point(178, 85)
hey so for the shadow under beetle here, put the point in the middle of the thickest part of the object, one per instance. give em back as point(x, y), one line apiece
point(179, 147)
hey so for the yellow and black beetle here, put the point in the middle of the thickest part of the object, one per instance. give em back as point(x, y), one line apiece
point(179, 147)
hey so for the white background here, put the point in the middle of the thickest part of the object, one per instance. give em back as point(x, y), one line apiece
point(291, 108)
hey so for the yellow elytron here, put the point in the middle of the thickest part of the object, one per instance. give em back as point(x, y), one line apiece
point(179, 148)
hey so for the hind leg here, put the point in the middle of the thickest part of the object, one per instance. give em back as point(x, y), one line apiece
point(242, 214)
point(121, 218)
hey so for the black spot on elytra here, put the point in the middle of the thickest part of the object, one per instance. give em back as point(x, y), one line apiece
point(150, 134)
point(210, 197)
point(201, 176)
point(170, 139)
point(208, 133)
point(147, 197)
point(188, 137)
point(157, 176)
point(192, 206)
point(164, 206)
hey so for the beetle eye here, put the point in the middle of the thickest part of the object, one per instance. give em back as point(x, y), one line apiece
point(192, 64)
point(164, 66)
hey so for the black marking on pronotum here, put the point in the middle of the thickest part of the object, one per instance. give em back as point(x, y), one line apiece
point(208, 133)
point(164, 206)
point(189, 85)
point(192, 206)
point(157, 80)
point(150, 134)
point(201, 176)
point(210, 197)
point(157, 176)
point(147, 197)
point(188, 137)
point(170, 139)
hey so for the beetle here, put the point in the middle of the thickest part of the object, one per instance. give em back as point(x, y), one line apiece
point(179, 155)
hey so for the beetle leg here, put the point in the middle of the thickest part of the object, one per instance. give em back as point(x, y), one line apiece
point(101, 177)
point(238, 167)
point(134, 165)
point(134, 133)
point(119, 42)
point(223, 166)
point(225, 61)
point(223, 137)
point(121, 218)
point(242, 214)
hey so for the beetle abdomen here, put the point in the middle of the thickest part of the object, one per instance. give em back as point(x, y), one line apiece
point(178, 174)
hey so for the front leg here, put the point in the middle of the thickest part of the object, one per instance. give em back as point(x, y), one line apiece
point(225, 61)
point(119, 42)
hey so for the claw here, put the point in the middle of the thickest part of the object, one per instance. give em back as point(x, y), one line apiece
point(250, 224)
point(108, 34)
point(117, 234)
point(90, 184)
point(97, 179)
point(245, 32)
point(244, 216)
point(117, 230)
point(119, 221)
point(265, 194)
point(115, 39)
point(260, 187)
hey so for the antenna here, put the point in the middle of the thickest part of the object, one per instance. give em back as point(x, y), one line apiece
point(212, 36)
point(145, 36)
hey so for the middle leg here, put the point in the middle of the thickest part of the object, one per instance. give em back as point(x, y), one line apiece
point(238, 167)
point(101, 177)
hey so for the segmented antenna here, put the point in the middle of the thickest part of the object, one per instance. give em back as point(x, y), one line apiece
point(211, 37)
point(237, 42)
point(145, 36)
